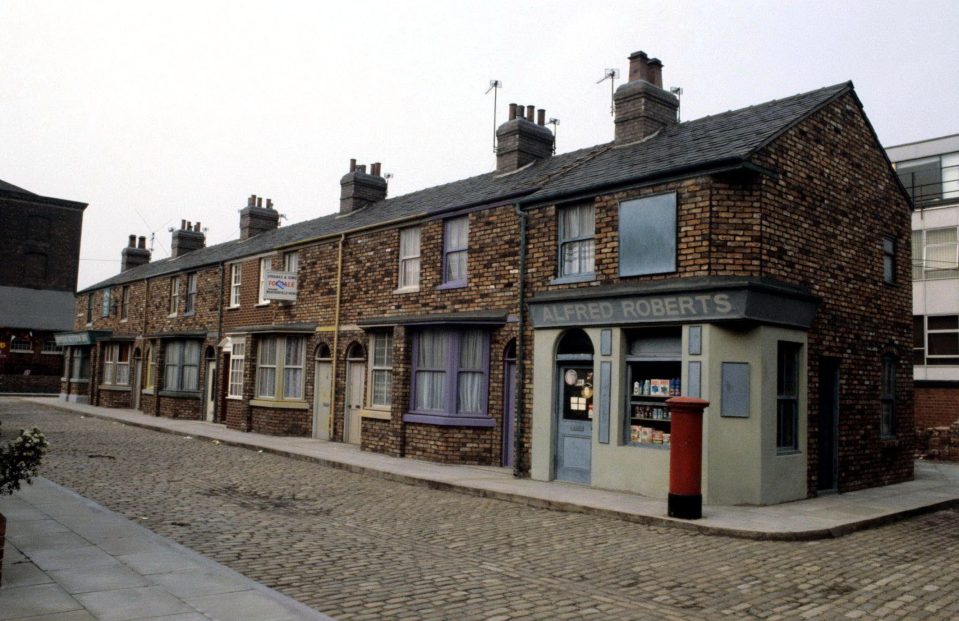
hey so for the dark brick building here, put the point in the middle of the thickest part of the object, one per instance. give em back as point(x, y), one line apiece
point(538, 316)
point(39, 258)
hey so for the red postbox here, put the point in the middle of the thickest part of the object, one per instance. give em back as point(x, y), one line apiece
point(686, 457)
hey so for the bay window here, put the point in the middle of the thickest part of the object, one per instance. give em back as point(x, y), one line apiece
point(280, 367)
point(182, 365)
point(450, 377)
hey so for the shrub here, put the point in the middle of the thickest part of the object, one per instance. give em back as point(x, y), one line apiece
point(20, 459)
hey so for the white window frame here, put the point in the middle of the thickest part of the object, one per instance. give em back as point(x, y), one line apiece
point(409, 256)
point(280, 365)
point(105, 302)
point(116, 372)
point(181, 363)
point(150, 382)
point(583, 240)
point(236, 280)
point(21, 346)
point(51, 347)
point(174, 296)
point(450, 280)
point(380, 365)
point(125, 303)
point(291, 262)
point(933, 268)
point(266, 263)
point(191, 293)
point(237, 360)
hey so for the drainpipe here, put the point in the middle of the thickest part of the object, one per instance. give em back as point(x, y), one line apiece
point(216, 351)
point(336, 331)
point(520, 349)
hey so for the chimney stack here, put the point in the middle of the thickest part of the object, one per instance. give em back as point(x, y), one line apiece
point(359, 189)
point(256, 219)
point(642, 106)
point(187, 239)
point(521, 139)
point(134, 255)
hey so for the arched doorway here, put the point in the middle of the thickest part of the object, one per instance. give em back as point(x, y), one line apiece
point(322, 392)
point(509, 404)
point(574, 407)
point(355, 387)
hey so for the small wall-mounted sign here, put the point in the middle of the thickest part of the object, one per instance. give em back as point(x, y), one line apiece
point(280, 286)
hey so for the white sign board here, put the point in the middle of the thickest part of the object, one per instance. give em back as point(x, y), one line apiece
point(280, 286)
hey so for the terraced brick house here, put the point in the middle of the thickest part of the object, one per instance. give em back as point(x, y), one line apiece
point(537, 316)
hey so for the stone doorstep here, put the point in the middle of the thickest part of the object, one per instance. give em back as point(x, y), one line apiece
point(753, 527)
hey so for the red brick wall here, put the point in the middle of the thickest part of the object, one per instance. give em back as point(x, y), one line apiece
point(113, 398)
point(281, 421)
point(936, 406)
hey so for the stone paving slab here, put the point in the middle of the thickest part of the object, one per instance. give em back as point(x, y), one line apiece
point(935, 487)
point(69, 559)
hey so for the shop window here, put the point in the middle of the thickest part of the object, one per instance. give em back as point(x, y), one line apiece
point(450, 377)
point(182, 365)
point(787, 396)
point(647, 235)
point(889, 260)
point(174, 295)
point(116, 364)
point(409, 258)
point(381, 369)
point(455, 243)
point(190, 307)
point(235, 281)
point(125, 303)
point(90, 308)
point(935, 254)
point(887, 397)
point(105, 303)
point(654, 371)
point(574, 356)
point(237, 358)
point(279, 373)
point(576, 241)
point(266, 264)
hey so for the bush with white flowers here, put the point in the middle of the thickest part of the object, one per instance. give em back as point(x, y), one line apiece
point(20, 459)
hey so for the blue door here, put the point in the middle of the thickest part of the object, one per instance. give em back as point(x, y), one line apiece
point(574, 411)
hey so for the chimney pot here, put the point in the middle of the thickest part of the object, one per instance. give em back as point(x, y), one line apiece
point(132, 241)
point(541, 117)
point(638, 66)
point(196, 227)
point(259, 201)
point(512, 111)
point(361, 168)
point(269, 203)
point(251, 200)
point(530, 113)
point(142, 243)
point(182, 224)
point(353, 164)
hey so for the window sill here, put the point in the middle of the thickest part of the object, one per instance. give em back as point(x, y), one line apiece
point(572, 278)
point(123, 320)
point(448, 420)
point(79, 381)
point(189, 313)
point(890, 442)
point(279, 404)
point(171, 316)
point(51, 353)
point(259, 304)
point(233, 307)
point(377, 414)
point(180, 394)
point(402, 290)
point(147, 391)
point(114, 388)
point(786, 452)
point(451, 285)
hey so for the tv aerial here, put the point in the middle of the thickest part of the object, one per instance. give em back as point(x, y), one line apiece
point(494, 85)
point(611, 75)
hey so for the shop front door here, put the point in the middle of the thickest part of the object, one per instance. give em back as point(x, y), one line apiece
point(355, 374)
point(321, 400)
point(574, 427)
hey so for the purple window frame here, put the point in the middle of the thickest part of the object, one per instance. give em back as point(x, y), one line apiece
point(453, 284)
point(449, 415)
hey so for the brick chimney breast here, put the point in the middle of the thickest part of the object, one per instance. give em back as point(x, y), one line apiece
point(133, 255)
point(187, 239)
point(359, 188)
point(643, 107)
point(256, 219)
point(520, 140)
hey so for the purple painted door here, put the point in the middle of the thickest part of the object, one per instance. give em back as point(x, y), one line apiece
point(509, 416)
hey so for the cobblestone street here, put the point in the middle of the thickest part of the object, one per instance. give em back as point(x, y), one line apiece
point(358, 547)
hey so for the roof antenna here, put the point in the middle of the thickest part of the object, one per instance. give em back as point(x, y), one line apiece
point(611, 75)
point(678, 91)
point(555, 123)
point(494, 85)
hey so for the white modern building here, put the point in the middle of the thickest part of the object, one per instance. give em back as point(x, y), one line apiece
point(930, 172)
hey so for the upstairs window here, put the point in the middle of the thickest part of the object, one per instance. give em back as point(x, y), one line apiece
point(887, 397)
point(410, 258)
point(125, 303)
point(935, 254)
point(190, 307)
point(291, 262)
point(266, 264)
point(889, 260)
point(235, 280)
point(936, 340)
point(89, 308)
point(105, 303)
point(174, 295)
point(647, 235)
point(51, 347)
point(576, 241)
point(455, 243)
point(381, 369)
point(930, 180)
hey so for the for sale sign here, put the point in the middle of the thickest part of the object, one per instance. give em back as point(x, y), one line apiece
point(280, 286)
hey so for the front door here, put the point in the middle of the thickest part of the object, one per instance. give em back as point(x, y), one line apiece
point(574, 428)
point(355, 374)
point(321, 400)
point(828, 423)
point(509, 416)
point(137, 370)
point(209, 408)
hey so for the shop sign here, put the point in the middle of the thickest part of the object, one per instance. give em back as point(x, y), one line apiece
point(73, 338)
point(692, 307)
point(280, 286)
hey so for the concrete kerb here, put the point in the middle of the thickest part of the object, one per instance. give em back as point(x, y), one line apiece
point(700, 527)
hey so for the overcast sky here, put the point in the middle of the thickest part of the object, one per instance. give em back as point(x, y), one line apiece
point(153, 112)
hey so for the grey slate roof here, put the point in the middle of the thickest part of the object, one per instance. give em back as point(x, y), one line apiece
point(36, 309)
point(9, 187)
point(694, 145)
